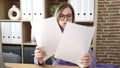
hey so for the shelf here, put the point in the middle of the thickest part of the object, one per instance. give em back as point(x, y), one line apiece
point(12, 43)
point(86, 23)
point(30, 43)
point(5, 5)
point(8, 20)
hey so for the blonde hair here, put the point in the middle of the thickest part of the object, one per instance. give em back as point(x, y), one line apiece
point(62, 7)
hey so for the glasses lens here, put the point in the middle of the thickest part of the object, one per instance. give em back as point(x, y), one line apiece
point(62, 16)
point(68, 16)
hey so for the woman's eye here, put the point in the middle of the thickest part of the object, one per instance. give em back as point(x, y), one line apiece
point(61, 15)
point(69, 15)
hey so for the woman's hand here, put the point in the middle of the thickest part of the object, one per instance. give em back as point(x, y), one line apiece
point(39, 54)
point(85, 59)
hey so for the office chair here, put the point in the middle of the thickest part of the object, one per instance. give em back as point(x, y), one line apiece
point(11, 58)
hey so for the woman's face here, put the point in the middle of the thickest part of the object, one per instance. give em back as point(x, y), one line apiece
point(64, 17)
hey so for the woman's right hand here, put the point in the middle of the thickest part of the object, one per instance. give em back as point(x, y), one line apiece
point(39, 54)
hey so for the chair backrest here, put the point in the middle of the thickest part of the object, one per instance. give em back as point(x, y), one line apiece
point(11, 58)
point(2, 65)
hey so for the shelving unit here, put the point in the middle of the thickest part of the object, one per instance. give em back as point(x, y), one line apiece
point(26, 47)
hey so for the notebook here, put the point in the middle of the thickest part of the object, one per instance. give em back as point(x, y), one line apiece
point(2, 64)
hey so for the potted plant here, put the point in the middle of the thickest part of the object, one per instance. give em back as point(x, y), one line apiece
point(53, 9)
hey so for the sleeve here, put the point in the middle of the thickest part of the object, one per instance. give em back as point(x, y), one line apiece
point(36, 61)
point(93, 63)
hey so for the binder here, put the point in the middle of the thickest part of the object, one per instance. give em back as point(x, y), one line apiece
point(38, 9)
point(24, 9)
point(3, 29)
point(16, 32)
point(29, 10)
point(8, 32)
point(84, 10)
point(79, 12)
point(13, 32)
point(74, 4)
point(90, 10)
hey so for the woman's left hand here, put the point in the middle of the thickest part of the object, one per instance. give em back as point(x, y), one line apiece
point(85, 59)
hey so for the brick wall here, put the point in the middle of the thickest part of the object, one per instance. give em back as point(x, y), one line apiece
point(108, 32)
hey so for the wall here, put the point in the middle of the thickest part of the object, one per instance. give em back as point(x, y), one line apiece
point(108, 32)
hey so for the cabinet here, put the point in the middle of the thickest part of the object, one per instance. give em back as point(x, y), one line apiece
point(26, 47)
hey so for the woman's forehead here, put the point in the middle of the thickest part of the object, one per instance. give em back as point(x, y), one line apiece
point(66, 11)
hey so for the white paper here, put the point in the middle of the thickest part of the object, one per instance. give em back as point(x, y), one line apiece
point(47, 34)
point(75, 40)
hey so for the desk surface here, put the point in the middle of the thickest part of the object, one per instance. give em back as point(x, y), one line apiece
point(17, 65)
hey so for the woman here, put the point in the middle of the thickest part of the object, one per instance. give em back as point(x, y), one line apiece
point(64, 14)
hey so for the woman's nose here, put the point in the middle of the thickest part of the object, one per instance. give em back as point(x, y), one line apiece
point(65, 18)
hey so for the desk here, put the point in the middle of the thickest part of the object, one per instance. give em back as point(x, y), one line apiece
point(18, 65)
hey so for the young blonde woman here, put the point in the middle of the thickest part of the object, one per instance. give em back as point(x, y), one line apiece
point(64, 14)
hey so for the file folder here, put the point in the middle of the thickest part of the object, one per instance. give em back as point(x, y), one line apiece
point(8, 32)
point(16, 32)
point(3, 29)
point(84, 6)
point(29, 10)
point(24, 9)
point(90, 10)
point(38, 9)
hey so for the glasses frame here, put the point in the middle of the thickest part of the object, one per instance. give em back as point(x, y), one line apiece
point(67, 16)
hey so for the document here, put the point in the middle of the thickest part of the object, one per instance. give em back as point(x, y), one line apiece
point(75, 40)
point(47, 34)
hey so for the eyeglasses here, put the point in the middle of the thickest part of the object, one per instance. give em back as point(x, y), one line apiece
point(68, 16)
